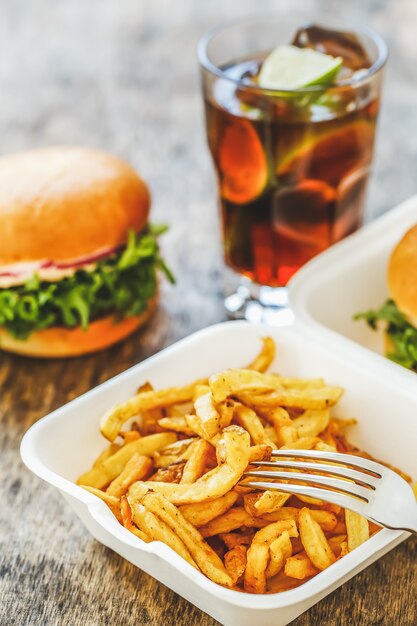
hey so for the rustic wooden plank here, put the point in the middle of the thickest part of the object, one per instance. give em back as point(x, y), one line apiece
point(123, 76)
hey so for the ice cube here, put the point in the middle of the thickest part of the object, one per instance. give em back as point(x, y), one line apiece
point(334, 42)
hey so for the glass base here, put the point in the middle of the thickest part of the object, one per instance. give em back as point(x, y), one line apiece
point(259, 303)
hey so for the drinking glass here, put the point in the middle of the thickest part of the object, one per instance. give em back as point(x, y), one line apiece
point(292, 165)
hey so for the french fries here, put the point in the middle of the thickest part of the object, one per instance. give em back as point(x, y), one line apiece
point(264, 359)
point(157, 529)
point(257, 556)
point(107, 470)
point(200, 514)
point(204, 556)
point(235, 562)
point(314, 541)
point(218, 481)
point(194, 468)
point(113, 420)
point(279, 551)
point(173, 475)
point(357, 528)
point(137, 467)
point(299, 566)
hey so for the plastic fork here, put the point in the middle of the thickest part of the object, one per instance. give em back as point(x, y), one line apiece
point(361, 485)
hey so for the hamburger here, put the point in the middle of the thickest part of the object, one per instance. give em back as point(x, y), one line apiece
point(399, 313)
point(78, 258)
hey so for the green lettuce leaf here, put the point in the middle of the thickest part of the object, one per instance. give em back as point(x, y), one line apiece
point(403, 335)
point(121, 284)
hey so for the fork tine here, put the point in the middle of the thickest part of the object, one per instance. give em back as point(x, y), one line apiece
point(365, 480)
point(349, 488)
point(334, 497)
point(335, 457)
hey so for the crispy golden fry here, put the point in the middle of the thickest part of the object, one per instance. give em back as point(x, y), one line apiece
point(334, 508)
point(271, 435)
point(279, 551)
point(107, 470)
point(299, 566)
point(218, 481)
point(309, 500)
point(265, 357)
point(314, 541)
point(118, 415)
point(146, 386)
point(177, 451)
point(109, 451)
point(177, 424)
point(226, 410)
point(247, 418)
point(231, 520)
point(127, 520)
point(205, 557)
point(137, 467)
point(179, 410)
point(157, 529)
point(281, 421)
point(242, 538)
point(311, 423)
point(112, 502)
point(357, 528)
point(170, 473)
point(305, 443)
point(249, 501)
point(340, 528)
point(161, 461)
point(258, 553)
point(200, 390)
point(299, 383)
point(206, 421)
point(325, 447)
point(327, 520)
point(281, 582)
point(313, 399)
point(284, 513)
point(200, 514)
point(208, 414)
point(344, 549)
point(196, 464)
point(130, 435)
point(337, 543)
point(270, 501)
point(235, 382)
point(235, 562)
point(260, 452)
point(178, 448)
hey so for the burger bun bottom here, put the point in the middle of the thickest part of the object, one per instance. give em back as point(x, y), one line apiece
point(59, 342)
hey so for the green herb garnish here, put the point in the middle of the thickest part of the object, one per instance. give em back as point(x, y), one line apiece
point(122, 284)
point(403, 335)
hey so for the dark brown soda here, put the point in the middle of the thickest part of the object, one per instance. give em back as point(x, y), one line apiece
point(292, 171)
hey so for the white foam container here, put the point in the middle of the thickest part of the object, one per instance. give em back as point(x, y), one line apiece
point(62, 445)
point(349, 278)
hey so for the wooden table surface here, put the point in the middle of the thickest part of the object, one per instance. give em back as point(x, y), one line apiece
point(123, 76)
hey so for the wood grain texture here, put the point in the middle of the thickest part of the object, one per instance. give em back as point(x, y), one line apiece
point(123, 76)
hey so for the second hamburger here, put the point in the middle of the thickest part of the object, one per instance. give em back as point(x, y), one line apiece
point(399, 313)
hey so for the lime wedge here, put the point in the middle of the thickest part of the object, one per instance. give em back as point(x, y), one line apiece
point(291, 68)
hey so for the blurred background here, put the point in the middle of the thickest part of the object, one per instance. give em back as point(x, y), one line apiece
point(123, 76)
